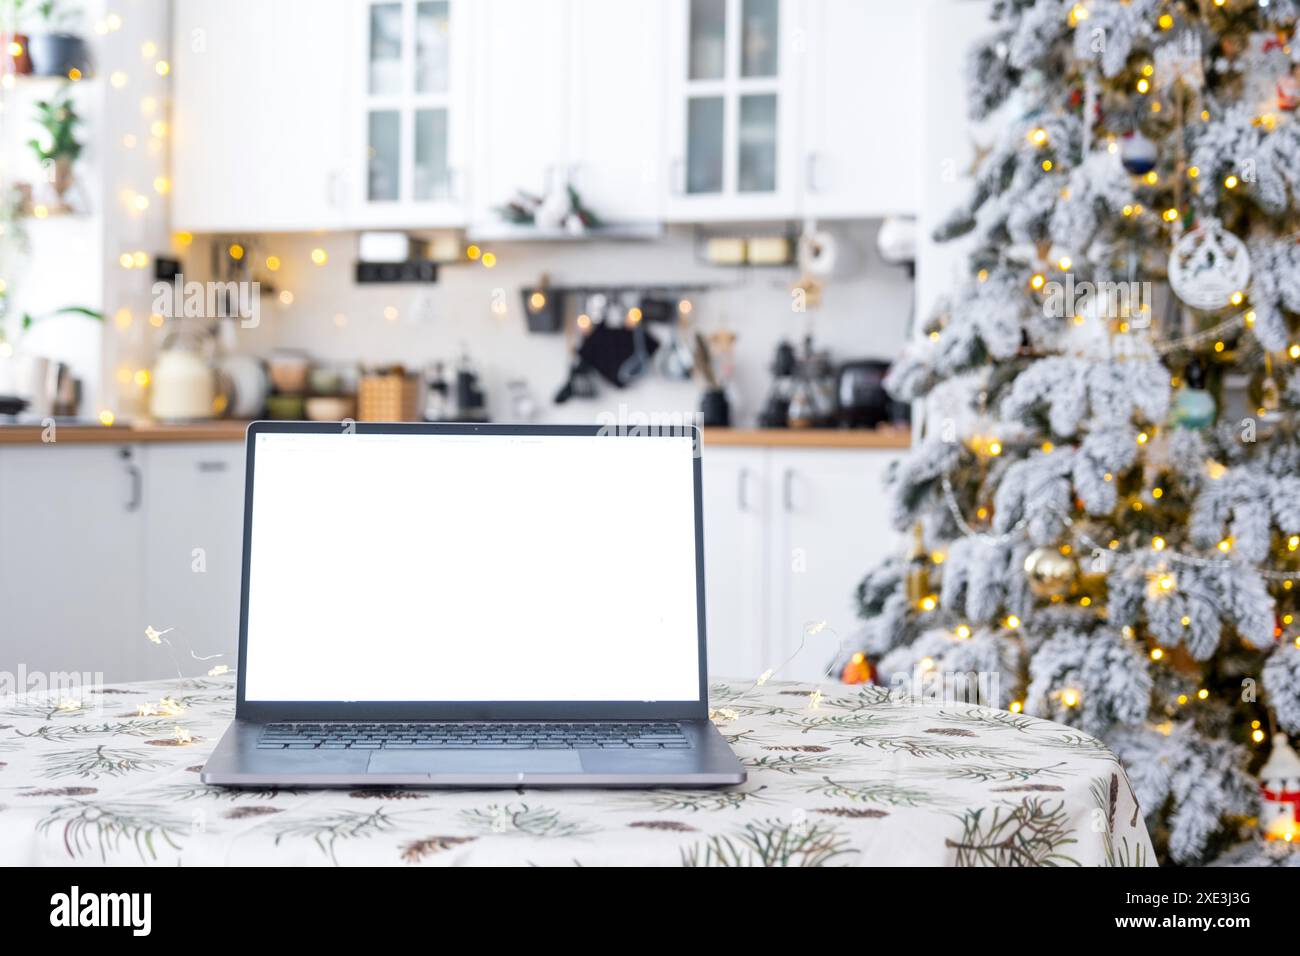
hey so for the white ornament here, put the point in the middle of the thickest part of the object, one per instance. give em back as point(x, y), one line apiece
point(1180, 59)
point(1208, 265)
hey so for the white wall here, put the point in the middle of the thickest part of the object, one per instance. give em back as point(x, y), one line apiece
point(948, 139)
point(862, 316)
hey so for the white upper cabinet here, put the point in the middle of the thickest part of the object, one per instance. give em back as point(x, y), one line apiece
point(409, 143)
point(734, 76)
point(860, 145)
point(311, 114)
point(260, 122)
point(568, 92)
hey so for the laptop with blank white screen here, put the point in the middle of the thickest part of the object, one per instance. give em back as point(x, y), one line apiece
point(472, 605)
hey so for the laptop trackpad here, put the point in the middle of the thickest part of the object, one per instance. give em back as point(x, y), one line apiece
point(475, 761)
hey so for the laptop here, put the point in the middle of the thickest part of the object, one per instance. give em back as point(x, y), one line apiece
point(439, 605)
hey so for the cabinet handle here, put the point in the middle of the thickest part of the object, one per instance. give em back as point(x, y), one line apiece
point(676, 176)
point(811, 165)
point(742, 489)
point(787, 490)
point(137, 481)
point(208, 467)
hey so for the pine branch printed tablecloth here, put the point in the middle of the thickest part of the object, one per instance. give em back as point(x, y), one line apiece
point(838, 776)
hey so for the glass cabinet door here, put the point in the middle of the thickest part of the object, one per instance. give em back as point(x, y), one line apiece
point(731, 110)
point(408, 101)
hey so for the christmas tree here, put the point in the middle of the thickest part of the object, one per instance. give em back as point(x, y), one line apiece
point(1105, 501)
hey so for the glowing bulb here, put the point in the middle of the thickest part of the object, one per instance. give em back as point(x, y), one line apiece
point(1017, 706)
point(1202, 694)
point(963, 632)
point(106, 417)
point(1047, 165)
point(1257, 736)
point(1143, 85)
point(1038, 281)
point(1157, 653)
point(1294, 351)
point(489, 260)
point(273, 263)
point(995, 448)
point(929, 602)
point(1237, 298)
point(537, 301)
point(117, 79)
point(685, 307)
point(1166, 22)
point(162, 185)
point(162, 67)
point(1070, 698)
point(319, 256)
point(390, 313)
point(1143, 438)
point(1038, 136)
point(1171, 215)
point(1225, 545)
point(1231, 182)
point(236, 251)
point(1012, 621)
point(1166, 582)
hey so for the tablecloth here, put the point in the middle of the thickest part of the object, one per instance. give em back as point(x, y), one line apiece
point(838, 776)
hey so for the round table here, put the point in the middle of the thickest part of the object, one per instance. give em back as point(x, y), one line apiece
point(838, 776)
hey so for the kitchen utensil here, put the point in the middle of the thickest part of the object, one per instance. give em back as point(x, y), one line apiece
point(388, 396)
point(329, 408)
point(183, 382)
point(289, 371)
point(285, 407)
point(860, 393)
point(618, 355)
point(249, 385)
point(715, 409)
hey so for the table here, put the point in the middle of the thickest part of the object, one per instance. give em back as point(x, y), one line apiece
point(838, 776)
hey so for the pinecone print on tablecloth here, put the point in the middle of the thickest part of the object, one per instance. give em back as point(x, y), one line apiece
point(60, 792)
point(853, 813)
point(243, 813)
point(675, 826)
point(417, 850)
point(950, 731)
point(799, 748)
point(381, 794)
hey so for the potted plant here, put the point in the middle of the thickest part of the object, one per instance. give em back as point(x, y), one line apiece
point(54, 50)
point(59, 148)
point(14, 55)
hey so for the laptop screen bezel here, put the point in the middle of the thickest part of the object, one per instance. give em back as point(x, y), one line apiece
point(265, 710)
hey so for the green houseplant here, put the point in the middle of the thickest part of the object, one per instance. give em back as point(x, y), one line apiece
point(59, 148)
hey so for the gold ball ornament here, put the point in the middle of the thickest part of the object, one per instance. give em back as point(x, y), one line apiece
point(1049, 572)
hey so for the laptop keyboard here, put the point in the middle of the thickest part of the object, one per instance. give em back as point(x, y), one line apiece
point(496, 735)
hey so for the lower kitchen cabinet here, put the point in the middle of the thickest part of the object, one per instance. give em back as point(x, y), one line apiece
point(788, 536)
point(97, 542)
point(193, 527)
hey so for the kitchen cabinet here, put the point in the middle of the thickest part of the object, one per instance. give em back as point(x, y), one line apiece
point(193, 533)
point(788, 534)
point(735, 561)
point(861, 110)
point(567, 91)
point(71, 553)
point(829, 526)
point(97, 542)
point(734, 75)
point(409, 143)
point(261, 117)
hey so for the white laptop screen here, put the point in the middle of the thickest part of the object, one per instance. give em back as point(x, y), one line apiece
point(410, 567)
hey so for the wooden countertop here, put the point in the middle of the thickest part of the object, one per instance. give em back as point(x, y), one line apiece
point(884, 438)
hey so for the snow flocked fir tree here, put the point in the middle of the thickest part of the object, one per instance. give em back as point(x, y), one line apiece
point(1112, 522)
